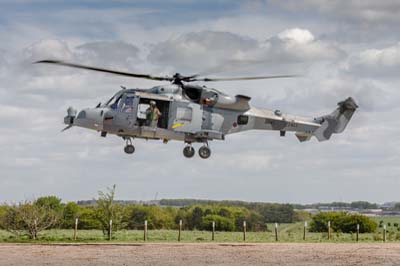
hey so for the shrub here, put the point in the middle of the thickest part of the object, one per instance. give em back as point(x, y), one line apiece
point(221, 223)
point(88, 219)
point(342, 222)
point(70, 213)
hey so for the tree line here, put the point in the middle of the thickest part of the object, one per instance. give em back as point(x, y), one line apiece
point(353, 205)
point(30, 217)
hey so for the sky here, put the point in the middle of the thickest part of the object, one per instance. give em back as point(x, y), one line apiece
point(339, 48)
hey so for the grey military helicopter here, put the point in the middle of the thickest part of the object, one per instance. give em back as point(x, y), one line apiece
point(194, 113)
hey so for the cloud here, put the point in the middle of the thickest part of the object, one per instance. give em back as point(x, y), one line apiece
point(300, 45)
point(197, 51)
point(109, 53)
point(375, 63)
point(48, 49)
point(366, 10)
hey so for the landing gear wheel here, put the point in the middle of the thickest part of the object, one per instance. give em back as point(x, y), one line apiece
point(188, 151)
point(204, 152)
point(129, 149)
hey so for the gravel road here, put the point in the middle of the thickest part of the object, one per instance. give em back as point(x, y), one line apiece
point(201, 254)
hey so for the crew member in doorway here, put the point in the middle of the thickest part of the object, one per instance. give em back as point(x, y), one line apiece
point(152, 114)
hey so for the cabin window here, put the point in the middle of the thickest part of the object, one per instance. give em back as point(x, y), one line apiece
point(184, 114)
point(242, 120)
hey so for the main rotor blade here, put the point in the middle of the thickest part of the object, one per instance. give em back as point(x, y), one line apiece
point(244, 78)
point(121, 73)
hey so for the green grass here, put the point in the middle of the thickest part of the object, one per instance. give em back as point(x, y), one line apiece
point(387, 221)
point(287, 233)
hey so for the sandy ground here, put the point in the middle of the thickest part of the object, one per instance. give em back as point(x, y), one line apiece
point(201, 254)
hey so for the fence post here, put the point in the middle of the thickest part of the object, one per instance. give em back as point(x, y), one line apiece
point(276, 231)
point(244, 230)
point(76, 228)
point(329, 230)
point(35, 232)
point(145, 231)
point(304, 231)
point(110, 233)
point(358, 231)
point(384, 233)
point(213, 231)
point(180, 229)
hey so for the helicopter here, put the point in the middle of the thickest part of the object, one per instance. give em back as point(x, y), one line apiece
point(194, 113)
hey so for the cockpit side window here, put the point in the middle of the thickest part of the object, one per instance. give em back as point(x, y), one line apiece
point(115, 104)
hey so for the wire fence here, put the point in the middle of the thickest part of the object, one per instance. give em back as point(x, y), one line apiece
point(284, 234)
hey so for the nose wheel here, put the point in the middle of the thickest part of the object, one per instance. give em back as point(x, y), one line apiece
point(129, 148)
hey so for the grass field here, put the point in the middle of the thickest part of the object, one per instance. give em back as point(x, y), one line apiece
point(287, 233)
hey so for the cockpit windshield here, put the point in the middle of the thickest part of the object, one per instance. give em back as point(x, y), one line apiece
point(109, 101)
point(114, 101)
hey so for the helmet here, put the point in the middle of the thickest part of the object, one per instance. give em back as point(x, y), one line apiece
point(152, 103)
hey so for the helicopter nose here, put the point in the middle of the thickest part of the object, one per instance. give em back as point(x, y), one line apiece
point(90, 118)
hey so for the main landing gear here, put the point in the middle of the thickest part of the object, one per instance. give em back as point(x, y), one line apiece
point(204, 151)
point(129, 148)
point(189, 151)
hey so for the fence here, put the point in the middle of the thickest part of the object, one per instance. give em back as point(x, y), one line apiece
point(327, 235)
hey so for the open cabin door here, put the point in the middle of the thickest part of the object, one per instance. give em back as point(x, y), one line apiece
point(185, 117)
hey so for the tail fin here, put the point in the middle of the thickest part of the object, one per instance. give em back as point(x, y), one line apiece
point(337, 121)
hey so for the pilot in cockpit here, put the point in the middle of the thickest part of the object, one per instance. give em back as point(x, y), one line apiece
point(128, 105)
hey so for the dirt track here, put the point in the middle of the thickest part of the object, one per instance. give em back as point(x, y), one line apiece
point(201, 254)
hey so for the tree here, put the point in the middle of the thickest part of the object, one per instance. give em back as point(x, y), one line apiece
point(70, 213)
point(108, 210)
point(196, 218)
point(363, 205)
point(51, 202)
point(28, 218)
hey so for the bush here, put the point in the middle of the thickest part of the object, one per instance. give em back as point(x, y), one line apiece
point(70, 213)
point(342, 222)
point(88, 219)
point(157, 217)
point(221, 223)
